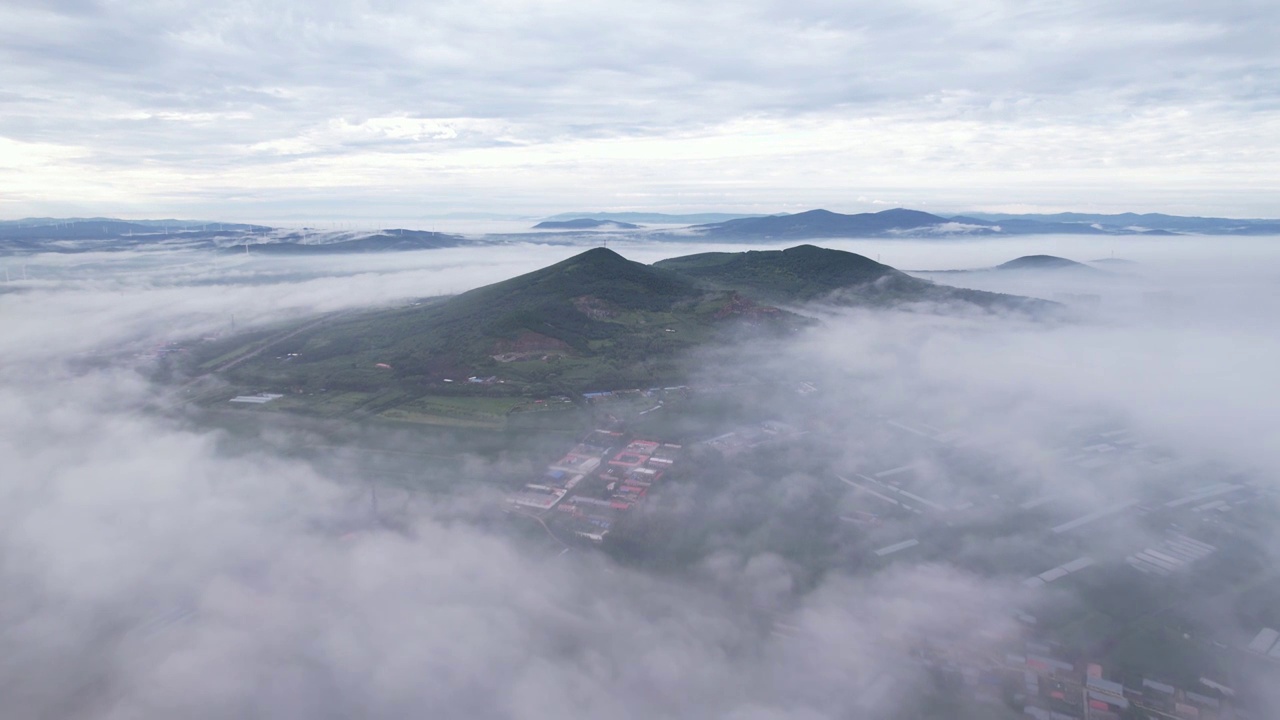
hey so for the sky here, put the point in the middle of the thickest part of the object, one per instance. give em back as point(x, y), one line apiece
point(160, 562)
point(284, 111)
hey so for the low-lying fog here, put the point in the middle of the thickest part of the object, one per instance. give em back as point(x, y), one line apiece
point(150, 568)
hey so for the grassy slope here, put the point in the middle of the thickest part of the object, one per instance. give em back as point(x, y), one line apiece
point(637, 321)
point(799, 274)
point(806, 273)
point(593, 322)
point(1046, 262)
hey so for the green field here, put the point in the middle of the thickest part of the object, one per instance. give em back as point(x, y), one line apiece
point(327, 404)
point(1153, 647)
point(458, 411)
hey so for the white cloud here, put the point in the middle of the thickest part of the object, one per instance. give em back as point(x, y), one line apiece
point(157, 567)
point(1042, 104)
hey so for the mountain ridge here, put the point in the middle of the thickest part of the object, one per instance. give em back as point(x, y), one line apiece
point(811, 274)
point(585, 224)
point(596, 320)
point(654, 217)
point(821, 223)
point(1045, 262)
point(72, 235)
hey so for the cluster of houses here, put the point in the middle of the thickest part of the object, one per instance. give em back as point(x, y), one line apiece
point(1059, 690)
point(599, 480)
point(747, 438)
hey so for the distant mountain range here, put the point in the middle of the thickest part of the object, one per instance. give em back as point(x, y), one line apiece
point(97, 228)
point(827, 224)
point(654, 218)
point(596, 320)
point(106, 234)
point(585, 224)
point(1147, 223)
point(383, 241)
point(901, 222)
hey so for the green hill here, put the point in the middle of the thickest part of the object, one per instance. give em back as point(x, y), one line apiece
point(1045, 262)
point(798, 274)
point(806, 273)
point(594, 320)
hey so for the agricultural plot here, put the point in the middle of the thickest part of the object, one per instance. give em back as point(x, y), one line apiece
point(457, 411)
point(334, 404)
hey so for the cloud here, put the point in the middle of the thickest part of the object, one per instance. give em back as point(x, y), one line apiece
point(162, 575)
point(1044, 104)
point(164, 561)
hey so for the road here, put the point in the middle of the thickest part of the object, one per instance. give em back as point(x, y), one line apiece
point(544, 525)
point(275, 340)
point(178, 395)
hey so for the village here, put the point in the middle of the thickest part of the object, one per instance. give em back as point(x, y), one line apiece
point(1035, 679)
point(1063, 665)
point(595, 483)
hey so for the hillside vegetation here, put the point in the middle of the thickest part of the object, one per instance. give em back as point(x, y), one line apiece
point(1045, 262)
point(798, 274)
point(806, 273)
point(596, 321)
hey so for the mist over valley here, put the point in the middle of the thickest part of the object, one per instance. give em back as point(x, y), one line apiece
point(854, 507)
point(620, 360)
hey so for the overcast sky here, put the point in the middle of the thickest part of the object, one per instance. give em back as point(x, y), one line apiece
point(280, 109)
